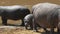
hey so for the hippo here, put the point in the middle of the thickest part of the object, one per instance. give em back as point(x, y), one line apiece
point(28, 21)
point(59, 21)
point(34, 7)
point(46, 15)
point(14, 12)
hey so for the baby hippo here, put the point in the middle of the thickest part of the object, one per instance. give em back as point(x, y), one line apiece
point(28, 21)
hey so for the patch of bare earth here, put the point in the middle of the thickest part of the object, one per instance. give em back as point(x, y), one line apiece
point(15, 30)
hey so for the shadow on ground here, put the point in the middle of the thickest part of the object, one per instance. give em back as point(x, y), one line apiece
point(49, 33)
point(12, 25)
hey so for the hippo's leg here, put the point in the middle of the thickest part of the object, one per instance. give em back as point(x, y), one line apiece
point(4, 20)
point(35, 26)
point(58, 31)
point(52, 30)
point(45, 29)
point(26, 25)
point(22, 23)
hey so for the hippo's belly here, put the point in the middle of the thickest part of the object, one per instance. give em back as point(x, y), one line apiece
point(46, 22)
point(43, 22)
point(13, 16)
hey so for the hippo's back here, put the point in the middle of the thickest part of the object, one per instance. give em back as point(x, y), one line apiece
point(14, 12)
point(42, 13)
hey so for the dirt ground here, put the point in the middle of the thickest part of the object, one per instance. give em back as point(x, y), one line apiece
point(15, 30)
point(19, 30)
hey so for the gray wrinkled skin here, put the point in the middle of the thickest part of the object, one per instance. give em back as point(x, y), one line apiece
point(44, 10)
point(28, 20)
point(59, 18)
point(46, 15)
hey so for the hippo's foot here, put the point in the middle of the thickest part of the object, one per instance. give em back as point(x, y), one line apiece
point(47, 32)
point(58, 32)
point(52, 32)
point(22, 24)
point(4, 24)
point(31, 29)
point(36, 31)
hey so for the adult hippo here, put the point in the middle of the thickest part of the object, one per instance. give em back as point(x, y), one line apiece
point(46, 15)
point(14, 12)
point(59, 21)
point(28, 20)
point(34, 7)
